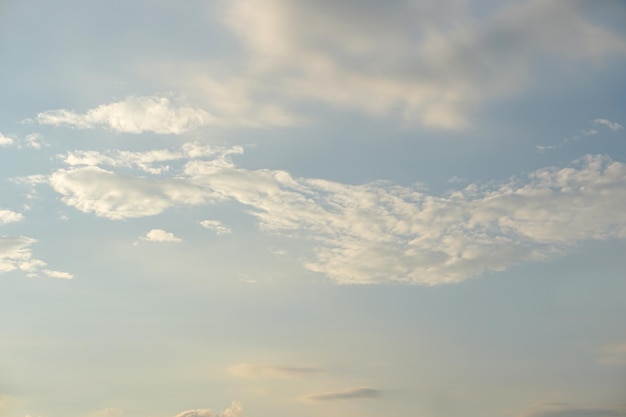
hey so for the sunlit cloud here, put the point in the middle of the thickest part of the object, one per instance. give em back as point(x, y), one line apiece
point(216, 226)
point(343, 395)
point(380, 232)
point(116, 196)
point(16, 255)
point(235, 410)
point(5, 140)
point(9, 216)
point(159, 235)
point(131, 115)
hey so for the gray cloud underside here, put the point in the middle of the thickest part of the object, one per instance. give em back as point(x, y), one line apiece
point(433, 63)
point(380, 232)
point(569, 410)
point(349, 394)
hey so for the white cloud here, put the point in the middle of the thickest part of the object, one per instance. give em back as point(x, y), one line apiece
point(8, 216)
point(581, 134)
point(433, 62)
point(272, 371)
point(349, 394)
point(614, 126)
point(152, 161)
point(34, 141)
point(58, 274)
point(571, 410)
point(132, 115)
point(116, 196)
point(215, 225)
point(5, 140)
point(379, 232)
point(16, 254)
point(159, 235)
point(235, 410)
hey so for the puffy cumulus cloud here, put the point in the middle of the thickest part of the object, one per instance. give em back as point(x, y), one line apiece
point(8, 216)
point(380, 232)
point(570, 410)
point(432, 61)
point(272, 371)
point(115, 196)
point(132, 115)
point(159, 235)
point(16, 254)
point(349, 394)
point(235, 410)
point(217, 226)
point(6, 140)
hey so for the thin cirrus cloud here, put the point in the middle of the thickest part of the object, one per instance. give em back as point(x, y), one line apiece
point(571, 410)
point(160, 236)
point(434, 62)
point(273, 371)
point(348, 394)
point(235, 410)
point(380, 232)
point(614, 355)
point(131, 115)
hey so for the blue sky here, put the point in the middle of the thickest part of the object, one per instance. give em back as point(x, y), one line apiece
point(312, 209)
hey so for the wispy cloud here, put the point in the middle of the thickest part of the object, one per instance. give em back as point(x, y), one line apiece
point(583, 133)
point(235, 410)
point(159, 235)
point(273, 371)
point(380, 232)
point(132, 115)
point(614, 126)
point(217, 226)
point(571, 410)
point(152, 161)
point(614, 355)
point(349, 394)
point(16, 254)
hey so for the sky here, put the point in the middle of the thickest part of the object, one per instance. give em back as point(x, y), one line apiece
point(240, 208)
